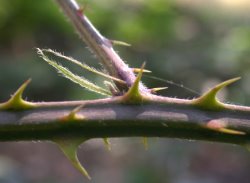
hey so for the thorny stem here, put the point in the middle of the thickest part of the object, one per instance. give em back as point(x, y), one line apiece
point(113, 117)
point(147, 115)
point(109, 118)
point(101, 46)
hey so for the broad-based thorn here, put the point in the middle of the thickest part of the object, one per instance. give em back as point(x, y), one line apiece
point(73, 114)
point(220, 126)
point(16, 102)
point(69, 148)
point(133, 95)
point(209, 101)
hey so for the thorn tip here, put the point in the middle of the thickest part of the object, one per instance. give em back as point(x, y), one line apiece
point(209, 100)
point(154, 90)
point(69, 148)
point(73, 114)
point(120, 43)
point(134, 95)
point(16, 102)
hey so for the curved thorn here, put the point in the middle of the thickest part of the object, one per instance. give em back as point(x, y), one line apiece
point(69, 148)
point(209, 100)
point(218, 87)
point(16, 101)
point(19, 93)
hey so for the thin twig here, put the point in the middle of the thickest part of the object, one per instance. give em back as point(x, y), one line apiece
point(101, 46)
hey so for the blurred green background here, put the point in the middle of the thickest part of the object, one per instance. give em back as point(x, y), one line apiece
point(195, 43)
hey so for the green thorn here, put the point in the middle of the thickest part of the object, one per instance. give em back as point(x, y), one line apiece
point(107, 143)
point(120, 43)
point(209, 100)
point(222, 127)
point(73, 114)
point(136, 70)
point(231, 131)
point(145, 142)
point(69, 148)
point(16, 101)
point(154, 90)
point(133, 95)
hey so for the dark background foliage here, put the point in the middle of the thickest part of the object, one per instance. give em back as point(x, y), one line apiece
point(190, 42)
